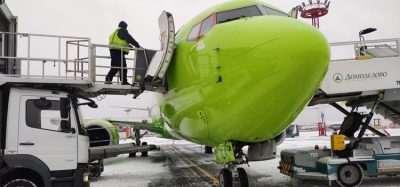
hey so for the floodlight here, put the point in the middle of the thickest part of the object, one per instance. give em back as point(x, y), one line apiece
point(365, 31)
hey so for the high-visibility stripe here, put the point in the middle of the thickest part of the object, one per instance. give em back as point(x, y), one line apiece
point(117, 43)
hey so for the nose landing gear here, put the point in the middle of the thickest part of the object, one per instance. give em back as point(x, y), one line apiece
point(229, 177)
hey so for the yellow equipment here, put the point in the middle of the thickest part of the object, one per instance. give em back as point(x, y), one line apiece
point(337, 142)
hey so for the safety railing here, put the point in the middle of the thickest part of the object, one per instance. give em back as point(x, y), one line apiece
point(65, 59)
point(368, 49)
point(42, 56)
point(101, 61)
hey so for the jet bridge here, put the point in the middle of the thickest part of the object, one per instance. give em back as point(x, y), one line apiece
point(361, 70)
point(76, 64)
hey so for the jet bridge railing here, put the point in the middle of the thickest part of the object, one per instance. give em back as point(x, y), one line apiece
point(45, 57)
point(361, 50)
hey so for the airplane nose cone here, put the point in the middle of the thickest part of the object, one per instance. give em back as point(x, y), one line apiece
point(278, 64)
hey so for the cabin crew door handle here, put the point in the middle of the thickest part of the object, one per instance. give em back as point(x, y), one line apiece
point(26, 143)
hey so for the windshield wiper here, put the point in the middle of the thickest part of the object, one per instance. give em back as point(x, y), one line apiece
point(232, 19)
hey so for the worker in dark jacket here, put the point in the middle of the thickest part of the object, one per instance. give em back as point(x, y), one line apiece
point(119, 47)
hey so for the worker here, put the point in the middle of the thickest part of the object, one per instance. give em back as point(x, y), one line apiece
point(119, 47)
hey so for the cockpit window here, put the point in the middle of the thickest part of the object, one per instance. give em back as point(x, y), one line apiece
point(239, 13)
point(194, 32)
point(201, 28)
point(207, 25)
point(274, 12)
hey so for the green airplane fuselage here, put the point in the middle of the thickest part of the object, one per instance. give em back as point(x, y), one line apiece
point(242, 79)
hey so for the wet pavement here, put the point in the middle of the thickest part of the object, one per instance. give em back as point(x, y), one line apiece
point(181, 163)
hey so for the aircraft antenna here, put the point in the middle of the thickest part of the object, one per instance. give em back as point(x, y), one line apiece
point(314, 10)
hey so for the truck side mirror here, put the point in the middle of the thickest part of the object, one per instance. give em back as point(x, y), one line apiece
point(42, 103)
point(65, 126)
point(93, 105)
point(64, 108)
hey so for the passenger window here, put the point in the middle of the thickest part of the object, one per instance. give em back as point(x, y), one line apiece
point(274, 12)
point(194, 32)
point(43, 114)
point(239, 13)
point(207, 25)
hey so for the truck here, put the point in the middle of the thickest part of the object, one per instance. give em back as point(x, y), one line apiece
point(42, 139)
point(367, 77)
point(375, 156)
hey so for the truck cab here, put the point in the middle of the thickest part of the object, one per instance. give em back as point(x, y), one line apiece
point(42, 139)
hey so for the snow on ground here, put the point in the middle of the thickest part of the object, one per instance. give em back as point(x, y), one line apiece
point(155, 170)
point(138, 171)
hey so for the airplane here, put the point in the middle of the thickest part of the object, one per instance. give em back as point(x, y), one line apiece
point(334, 126)
point(242, 71)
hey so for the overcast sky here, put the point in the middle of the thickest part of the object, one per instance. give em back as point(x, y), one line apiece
point(96, 19)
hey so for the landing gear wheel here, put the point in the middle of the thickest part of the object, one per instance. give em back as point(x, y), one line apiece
point(242, 176)
point(131, 155)
point(20, 182)
point(350, 175)
point(208, 150)
point(145, 153)
point(225, 178)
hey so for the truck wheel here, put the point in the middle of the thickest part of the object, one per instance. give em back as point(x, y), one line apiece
point(225, 178)
point(20, 182)
point(350, 175)
point(99, 168)
point(144, 153)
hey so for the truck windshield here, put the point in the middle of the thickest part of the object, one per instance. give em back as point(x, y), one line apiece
point(239, 13)
point(77, 102)
point(80, 116)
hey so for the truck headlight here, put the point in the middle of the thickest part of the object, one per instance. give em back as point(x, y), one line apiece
point(85, 177)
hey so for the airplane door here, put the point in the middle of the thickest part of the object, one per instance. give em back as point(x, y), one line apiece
point(160, 62)
point(40, 133)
